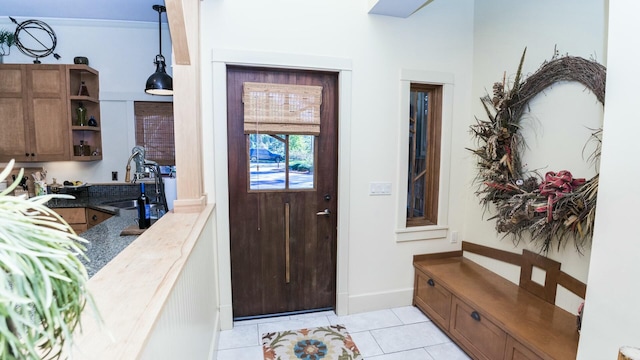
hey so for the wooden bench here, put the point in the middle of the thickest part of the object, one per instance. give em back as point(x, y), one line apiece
point(490, 317)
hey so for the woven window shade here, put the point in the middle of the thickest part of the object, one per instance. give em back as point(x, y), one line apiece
point(154, 131)
point(281, 108)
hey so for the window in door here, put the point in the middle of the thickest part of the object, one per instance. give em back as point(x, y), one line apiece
point(281, 162)
point(281, 122)
point(425, 123)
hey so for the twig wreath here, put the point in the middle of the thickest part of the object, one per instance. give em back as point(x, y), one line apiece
point(555, 207)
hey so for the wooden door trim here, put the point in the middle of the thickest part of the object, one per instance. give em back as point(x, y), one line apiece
point(217, 110)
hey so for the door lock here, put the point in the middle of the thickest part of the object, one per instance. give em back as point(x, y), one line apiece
point(325, 212)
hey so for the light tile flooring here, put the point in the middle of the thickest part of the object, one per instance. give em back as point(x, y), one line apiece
point(403, 333)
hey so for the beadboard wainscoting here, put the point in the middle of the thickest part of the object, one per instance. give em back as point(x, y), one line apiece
point(189, 322)
point(158, 298)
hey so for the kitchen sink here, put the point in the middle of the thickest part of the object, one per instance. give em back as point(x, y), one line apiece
point(130, 204)
point(123, 204)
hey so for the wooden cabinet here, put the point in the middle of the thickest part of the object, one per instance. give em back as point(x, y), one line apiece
point(75, 217)
point(83, 87)
point(81, 219)
point(516, 351)
point(95, 217)
point(432, 298)
point(37, 105)
point(476, 332)
point(33, 113)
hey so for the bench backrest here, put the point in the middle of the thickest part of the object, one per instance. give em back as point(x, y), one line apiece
point(527, 261)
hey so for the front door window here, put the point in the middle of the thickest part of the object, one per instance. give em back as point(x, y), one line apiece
point(281, 162)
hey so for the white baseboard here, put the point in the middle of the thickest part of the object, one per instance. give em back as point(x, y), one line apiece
point(342, 305)
point(226, 317)
point(215, 340)
point(380, 300)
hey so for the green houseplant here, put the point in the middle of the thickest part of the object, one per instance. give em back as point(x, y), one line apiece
point(42, 281)
point(7, 39)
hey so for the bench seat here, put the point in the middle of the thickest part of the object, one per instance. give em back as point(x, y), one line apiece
point(488, 316)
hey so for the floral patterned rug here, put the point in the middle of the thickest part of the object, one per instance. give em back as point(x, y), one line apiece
point(327, 342)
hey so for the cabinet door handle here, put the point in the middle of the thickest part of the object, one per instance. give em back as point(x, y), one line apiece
point(94, 217)
point(26, 154)
point(431, 282)
point(475, 316)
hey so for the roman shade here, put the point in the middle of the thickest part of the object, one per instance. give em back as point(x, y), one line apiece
point(154, 130)
point(281, 108)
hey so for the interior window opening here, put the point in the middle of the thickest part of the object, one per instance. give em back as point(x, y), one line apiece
point(424, 154)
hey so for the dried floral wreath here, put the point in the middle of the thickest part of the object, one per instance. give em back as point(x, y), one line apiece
point(554, 207)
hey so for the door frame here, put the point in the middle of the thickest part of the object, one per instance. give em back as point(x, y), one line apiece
point(218, 111)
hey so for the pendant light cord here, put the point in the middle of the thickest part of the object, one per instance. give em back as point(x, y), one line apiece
point(160, 8)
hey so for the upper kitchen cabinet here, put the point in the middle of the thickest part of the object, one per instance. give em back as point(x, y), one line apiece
point(83, 87)
point(34, 113)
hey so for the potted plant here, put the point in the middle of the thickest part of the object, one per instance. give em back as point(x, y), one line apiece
point(7, 39)
point(42, 281)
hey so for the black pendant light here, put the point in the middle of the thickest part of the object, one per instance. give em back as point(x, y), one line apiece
point(159, 83)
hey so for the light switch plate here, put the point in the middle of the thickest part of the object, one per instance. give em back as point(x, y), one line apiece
point(379, 188)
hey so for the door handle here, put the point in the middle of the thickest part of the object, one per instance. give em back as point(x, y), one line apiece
point(325, 212)
point(287, 243)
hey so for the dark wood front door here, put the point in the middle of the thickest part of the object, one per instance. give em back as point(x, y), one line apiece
point(282, 203)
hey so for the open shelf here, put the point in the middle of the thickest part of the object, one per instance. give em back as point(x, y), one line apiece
point(90, 100)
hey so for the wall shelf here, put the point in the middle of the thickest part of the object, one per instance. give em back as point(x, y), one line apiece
point(90, 135)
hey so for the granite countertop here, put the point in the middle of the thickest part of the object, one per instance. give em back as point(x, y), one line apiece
point(105, 241)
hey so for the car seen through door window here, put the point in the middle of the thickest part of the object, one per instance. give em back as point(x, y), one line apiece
point(264, 154)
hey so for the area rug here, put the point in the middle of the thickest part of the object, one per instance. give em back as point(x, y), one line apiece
point(319, 343)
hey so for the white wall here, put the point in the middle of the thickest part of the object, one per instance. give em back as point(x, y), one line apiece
point(437, 38)
point(558, 126)
point(123, 52)
point(611, 309)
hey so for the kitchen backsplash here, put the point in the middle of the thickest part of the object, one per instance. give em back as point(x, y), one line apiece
point(112, 192)
point(119, 191)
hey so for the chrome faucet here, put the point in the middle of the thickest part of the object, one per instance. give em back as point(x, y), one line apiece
point(160, 194)
point(138, 153)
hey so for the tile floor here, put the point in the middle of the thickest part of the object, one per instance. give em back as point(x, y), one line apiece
point(403, 333)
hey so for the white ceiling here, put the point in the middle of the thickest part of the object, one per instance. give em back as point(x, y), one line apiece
point(128, 10)
point(141, 10)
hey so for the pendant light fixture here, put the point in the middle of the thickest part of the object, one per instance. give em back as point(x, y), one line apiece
point(159, 83)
